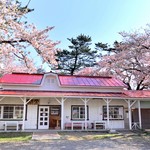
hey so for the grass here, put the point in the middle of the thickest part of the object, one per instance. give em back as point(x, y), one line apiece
point(75, 136)
point(15, 136)
point(98, 137)
point(86, 135)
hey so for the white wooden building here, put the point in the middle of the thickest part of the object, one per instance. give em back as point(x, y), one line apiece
point(51, 101)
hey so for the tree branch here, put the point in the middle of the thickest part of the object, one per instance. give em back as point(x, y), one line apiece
point(12, 41)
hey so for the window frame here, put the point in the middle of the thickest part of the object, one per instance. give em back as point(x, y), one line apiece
point(79, 119)
point(13, 113)
point(8, 111)
point(112, 116)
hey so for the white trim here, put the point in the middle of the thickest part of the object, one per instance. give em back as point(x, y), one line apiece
point(139, 112)
point(92, 97)
point(24, 113)
point(85, 107)
point(107, 101)
point(88, 97)
point(130, 104)
point(62, 110)
point(26, 101)
point(1, 99)
point(62, 113)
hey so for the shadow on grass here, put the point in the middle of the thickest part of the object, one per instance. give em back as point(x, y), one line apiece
point(100, 136)
point(15, 136)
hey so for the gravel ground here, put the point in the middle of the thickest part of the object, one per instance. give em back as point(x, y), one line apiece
point(75, 141)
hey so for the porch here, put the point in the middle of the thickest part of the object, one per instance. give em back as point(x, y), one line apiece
point(69, 113)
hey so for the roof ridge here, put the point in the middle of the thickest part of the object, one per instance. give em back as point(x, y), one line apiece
point(27, 73)
point(86, 76)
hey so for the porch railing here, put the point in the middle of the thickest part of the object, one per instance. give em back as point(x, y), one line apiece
point(95, 125)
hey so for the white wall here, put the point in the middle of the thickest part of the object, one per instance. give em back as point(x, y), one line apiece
point(95, 111)
point(31, 122)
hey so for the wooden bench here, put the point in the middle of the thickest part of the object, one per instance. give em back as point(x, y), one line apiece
point(74, 124)
point(12, 125)
point(68, 125)
point(99, 125)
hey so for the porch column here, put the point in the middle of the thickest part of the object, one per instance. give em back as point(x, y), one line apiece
point(24, 113)
point(139, 111)
point(130, 119)
point(85, 107)
point(25, 102)
point(130, 104)
point(107, 101)
point(62, 111)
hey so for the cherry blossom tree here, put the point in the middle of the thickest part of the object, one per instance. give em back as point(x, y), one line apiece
point(18, 40)
point(128, 60)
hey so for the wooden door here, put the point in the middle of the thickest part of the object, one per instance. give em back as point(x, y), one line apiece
point(55, 117)
point(145, 117)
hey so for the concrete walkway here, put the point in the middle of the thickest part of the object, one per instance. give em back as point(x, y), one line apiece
point(49, 135)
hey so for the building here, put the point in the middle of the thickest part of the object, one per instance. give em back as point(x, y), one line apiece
point(52, 101)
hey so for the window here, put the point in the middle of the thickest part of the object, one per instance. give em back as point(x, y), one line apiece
point(78, 112)
point(55, 111)
point(115, 112)
point(18, 112)
point(11, 112)
point(8, 112)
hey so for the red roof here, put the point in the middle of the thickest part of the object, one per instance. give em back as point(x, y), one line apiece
point(60, 94)
point(66, 80)
point(138, 94)
point(21, 78)
point(125, 94)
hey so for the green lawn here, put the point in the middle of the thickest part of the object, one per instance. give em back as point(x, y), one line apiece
point(98, 136)
point(15, 136)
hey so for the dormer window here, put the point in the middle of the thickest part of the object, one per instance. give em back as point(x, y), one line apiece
point(52, 80)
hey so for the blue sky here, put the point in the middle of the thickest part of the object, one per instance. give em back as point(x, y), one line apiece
point(100, 19)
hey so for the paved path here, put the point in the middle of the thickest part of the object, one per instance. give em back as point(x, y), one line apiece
point(49, 135)
point(57, 142)
point(104, 144)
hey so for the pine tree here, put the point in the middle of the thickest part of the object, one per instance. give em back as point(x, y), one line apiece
point(77, 57)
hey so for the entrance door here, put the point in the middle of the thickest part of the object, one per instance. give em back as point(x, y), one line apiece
point(55, 117)
point(43, 122)
point(145, 117)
